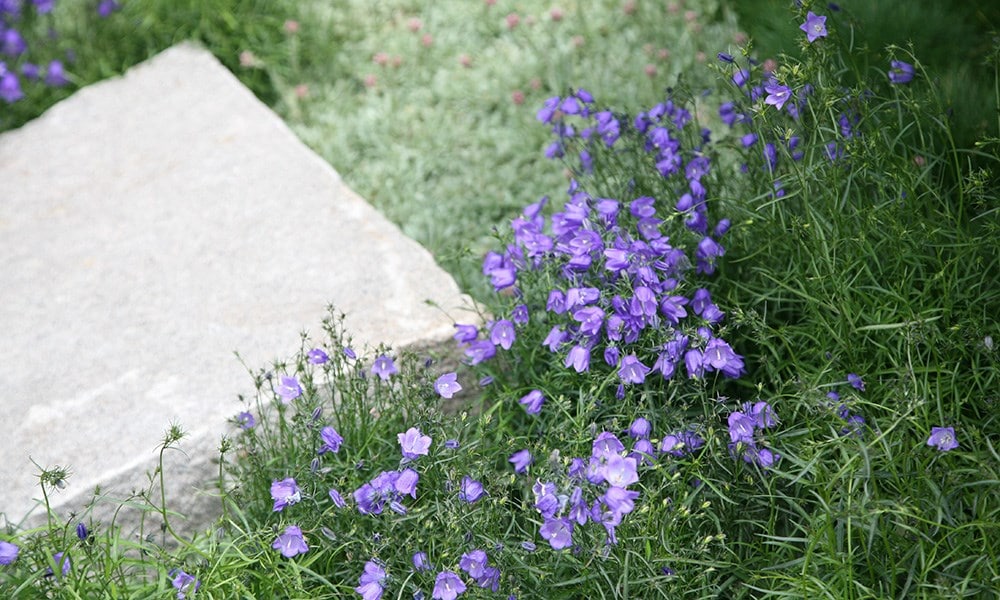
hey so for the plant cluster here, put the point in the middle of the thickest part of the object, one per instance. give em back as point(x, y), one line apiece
point(20, 67)
point(706, 373)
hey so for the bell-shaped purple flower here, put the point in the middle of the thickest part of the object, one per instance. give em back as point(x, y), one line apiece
point(291, 542)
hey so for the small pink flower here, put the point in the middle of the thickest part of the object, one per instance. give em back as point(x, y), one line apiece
point(740, 38)
point(518, 97)
point(380, 58)
point(396, 61)
point(465, 60)
point(629, 7)
point(301, 90)
point(673, 8)
point(291, 27)
point(663, 54)
point(700, 56)
point(427, 40)
point(248, 59)
point(535, 83)
point(650, 70)
point(578, 41)
point(414, 24)
point(770, 65)
point(513, 19)
point(556, 14)
point(490, 2)
point(370, 80)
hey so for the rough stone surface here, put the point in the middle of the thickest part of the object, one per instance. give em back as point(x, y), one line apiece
point(150, 227)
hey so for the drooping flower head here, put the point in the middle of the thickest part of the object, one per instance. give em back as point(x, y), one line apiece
point(420, 562)
point(502, 334)
point(184, 583)
point(856, 381)
point(558, 532)
point(471, 490)
point(632, 370)
point(285, 493)
point(55, 75)
point(620, 472)
point(331, 440)
point(12, 43)
point(741, 427)
point(639, 429)
point(318, 356)
point(681, 444)
point(900, 72)
point(521, 459)
point(532, 402)
point(10, 87)
point(337, 499)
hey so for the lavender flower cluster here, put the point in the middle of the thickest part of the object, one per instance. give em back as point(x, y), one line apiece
point(621, 287)
point(594, 490)
point(14, 48)
point(387, 489)
point(793, 103)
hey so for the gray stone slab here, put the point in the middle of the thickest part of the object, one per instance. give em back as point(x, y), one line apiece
point(150, 226)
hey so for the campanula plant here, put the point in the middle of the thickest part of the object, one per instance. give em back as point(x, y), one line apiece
point(746, 351)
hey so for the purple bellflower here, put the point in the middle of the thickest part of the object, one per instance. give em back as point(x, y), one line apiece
point(521, 459)
point(370, 584)
point(414, 443)
point(184, 583)
point(288, 388)
point(317, 356)
point(532, 402)
point(943, 438)
point(471, 490)
point(285, 493)
point(384, 367)
point(8, 552)
point(337, 499)
point(246, 420)
point(900, 72)
point(447, 586)
point(447, 385)
point(55, 75)
point(290, 543)
point(815, 27)
point(558, 532)
point(777, 94)
point(331, 440)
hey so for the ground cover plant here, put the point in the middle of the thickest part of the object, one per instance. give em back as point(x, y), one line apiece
point(745, 349)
